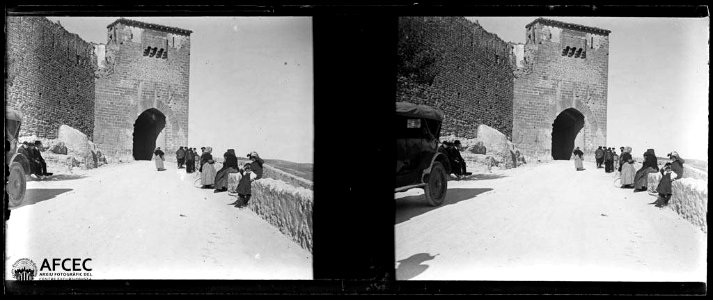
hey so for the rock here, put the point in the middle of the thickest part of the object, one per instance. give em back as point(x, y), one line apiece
point(498, 145)
point(478, 148)
point(75, 140)
point(59, 148)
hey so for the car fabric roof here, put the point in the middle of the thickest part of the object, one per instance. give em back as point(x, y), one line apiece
point(418, 111)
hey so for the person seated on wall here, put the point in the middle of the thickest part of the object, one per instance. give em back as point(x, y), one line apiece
point(650, 166)
point(256, 164)
point(457, 162)
point(40, 161)
point(676, 164)
point(24, 149)
point(245, 178)
point(28, 150)
point(664, 187)
point(230, 165)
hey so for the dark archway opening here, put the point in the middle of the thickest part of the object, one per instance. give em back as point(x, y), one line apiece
point(564, 130)
point(146, 128)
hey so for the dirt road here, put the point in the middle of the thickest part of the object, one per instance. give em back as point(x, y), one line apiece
point(137, 223)
point(544, 223)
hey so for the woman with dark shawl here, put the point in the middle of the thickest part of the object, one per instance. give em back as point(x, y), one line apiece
point(190, 161)
point(578, 159)
point(229, 166)
point(677, 164)
point(207, 169)
point(626, 167)
point(256, 164)
point(650, 166)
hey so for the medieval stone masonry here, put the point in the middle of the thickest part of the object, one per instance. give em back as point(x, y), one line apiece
point(455, 65)
point(548, 95)
point(128, 95)
point(50, 77)
point(145, 69)
point(560, 88)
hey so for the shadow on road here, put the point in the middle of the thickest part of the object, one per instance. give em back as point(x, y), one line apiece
point(34, 196)
point(483, 177)
point(412, 266)
point(58, 177)
point(412, 206)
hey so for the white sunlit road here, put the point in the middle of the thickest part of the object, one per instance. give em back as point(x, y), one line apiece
point(134, 222)
point(545, 223)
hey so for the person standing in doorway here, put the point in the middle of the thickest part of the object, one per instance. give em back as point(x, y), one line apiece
point(578, 157)
point(158, 159)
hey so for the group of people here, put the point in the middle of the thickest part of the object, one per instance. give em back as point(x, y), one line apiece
point(31, 151)
point(189, 157)
point(638, 179)
point(210, 178)
point(607, 156)
point(452, 151)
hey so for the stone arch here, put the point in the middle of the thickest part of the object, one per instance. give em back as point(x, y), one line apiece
point(565, 129)
point(590, 138)
point(147, 127)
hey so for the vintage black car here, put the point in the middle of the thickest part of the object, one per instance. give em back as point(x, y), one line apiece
point(419, 164)
point(16, 158)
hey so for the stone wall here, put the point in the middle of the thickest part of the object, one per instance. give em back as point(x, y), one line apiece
point(689, 198)
point(561, 66)
point(145, 66)
point(50, 77)
point(286, 207)
point(455, 65)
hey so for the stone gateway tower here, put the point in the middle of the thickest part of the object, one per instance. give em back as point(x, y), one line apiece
point(560, 96)
point(141, 89)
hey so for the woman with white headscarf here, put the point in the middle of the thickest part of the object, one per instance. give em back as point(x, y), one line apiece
point(627, 169)
point(676, 164)
point(207, 170)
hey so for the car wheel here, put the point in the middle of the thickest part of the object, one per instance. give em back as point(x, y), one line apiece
point(437, 185)
point(16, 184)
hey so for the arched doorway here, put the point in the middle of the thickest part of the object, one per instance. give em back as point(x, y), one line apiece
point(564, 131)
point(146, 129)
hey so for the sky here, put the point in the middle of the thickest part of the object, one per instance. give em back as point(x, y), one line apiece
point(251, 81)
point(658, 79)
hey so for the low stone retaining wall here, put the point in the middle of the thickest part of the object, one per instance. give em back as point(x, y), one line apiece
point(277, 174)
point(287, 207)
point(689, 198)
